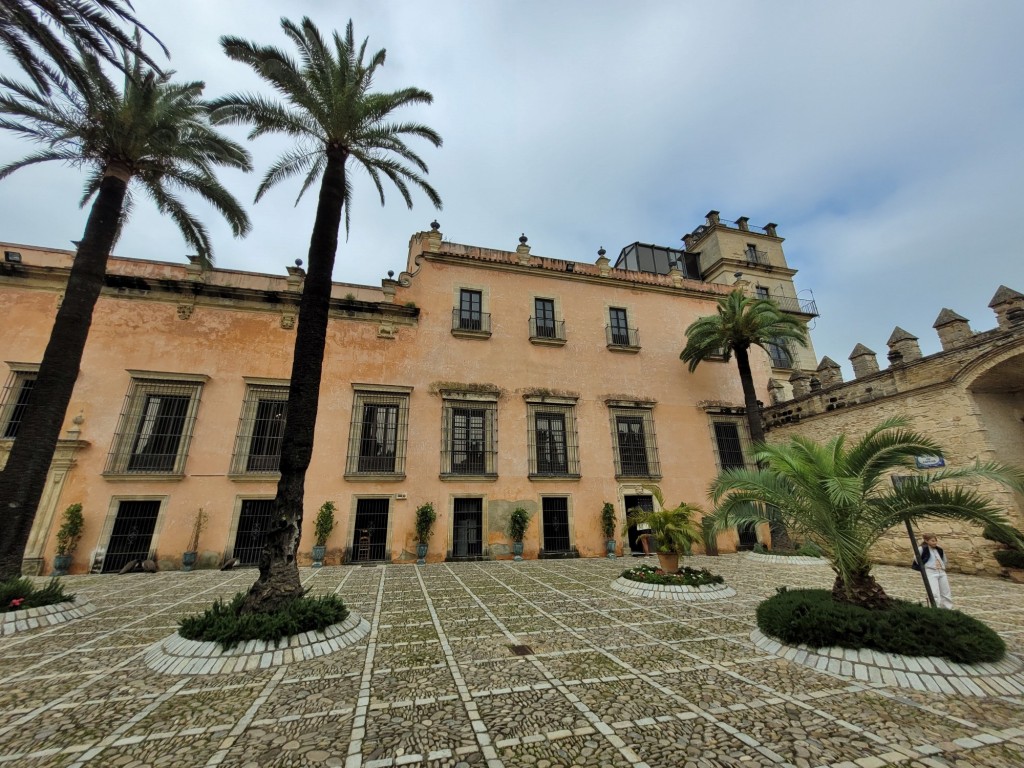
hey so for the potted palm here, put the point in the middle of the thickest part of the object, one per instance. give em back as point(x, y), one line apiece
point(673, 531)
point(608, 528)
point(188, 558)
point(518, 522)
point(68, 535)
point(425, 518)
point(321, 531)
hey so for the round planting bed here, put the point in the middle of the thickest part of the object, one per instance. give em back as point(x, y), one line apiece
point(921, 673)
point(175, 655)
point(46, 616)
point(673, 591)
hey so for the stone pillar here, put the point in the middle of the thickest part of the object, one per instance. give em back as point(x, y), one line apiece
point(434, 237)
point(864, 361)
point(903, 347)
point(743, 222)
point(1008, 306)
point(801, 383)
point(770, 229)
point(603, 262)
point(296, 276)
point(776, 392)
point(953, 329)
point(523, 250)
point(676, 276)
point(829, 372)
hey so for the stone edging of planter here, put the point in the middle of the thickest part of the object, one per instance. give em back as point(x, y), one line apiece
point(175, 655)
point(786, 559)
point(673, 591)
point(920, 673)
point(46, 616)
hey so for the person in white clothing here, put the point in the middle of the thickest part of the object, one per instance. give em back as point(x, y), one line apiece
point(933, 560)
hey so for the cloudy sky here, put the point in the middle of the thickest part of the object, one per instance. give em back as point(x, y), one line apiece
point(884, 138)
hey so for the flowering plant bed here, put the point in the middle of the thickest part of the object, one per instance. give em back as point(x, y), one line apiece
point(21, 594)
point(684, 577)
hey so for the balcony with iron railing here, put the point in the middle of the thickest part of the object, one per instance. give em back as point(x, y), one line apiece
point(754, 256)
point(547, 331)
point(622, 339)
point(468, 324)
point(797, 306)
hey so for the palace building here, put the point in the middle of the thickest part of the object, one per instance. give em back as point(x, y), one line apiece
point(480, 380)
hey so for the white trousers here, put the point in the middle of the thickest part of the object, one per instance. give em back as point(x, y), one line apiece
point(940, 588)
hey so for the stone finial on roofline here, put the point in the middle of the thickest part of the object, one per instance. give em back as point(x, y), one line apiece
point(829, 372)
point(776, 392)
point(801, 383)
point(953, 329)
point(903, 347)
point(864, 361)
point(1008, 305)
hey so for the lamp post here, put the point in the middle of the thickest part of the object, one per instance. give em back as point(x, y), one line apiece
point(898, 481)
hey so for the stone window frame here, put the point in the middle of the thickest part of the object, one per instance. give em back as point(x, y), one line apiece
point(484, 332)
point(645, 411)
point(107, 530)
point(485, 549)
point(486, 401)
point(256, 389)
point(364, 394)
point(742, 429)
point(19, 374)
point(566, 406)
point(558, 339)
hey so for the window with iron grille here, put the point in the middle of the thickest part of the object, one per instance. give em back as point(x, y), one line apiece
point(260, 430)
point(467, 527)
point(16, 399)
point(635, 447)
point(761, 292)
point(155, 427)
point(552, 440)
point(131, 537)
point(469, 437)
point(555, 520)
point(254, 522)
point(728, 444)
point(779, 352)
point(378, 433)
point(619, 326)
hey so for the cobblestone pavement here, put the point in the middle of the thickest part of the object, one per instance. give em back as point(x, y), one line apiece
point(607, 679)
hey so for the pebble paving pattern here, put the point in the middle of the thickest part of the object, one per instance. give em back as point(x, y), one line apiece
point(604, 679)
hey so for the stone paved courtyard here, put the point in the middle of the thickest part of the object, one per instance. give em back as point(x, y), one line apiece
point(607, 680)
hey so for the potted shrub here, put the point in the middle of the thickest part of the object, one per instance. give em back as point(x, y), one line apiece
point(608, 528)
point(321, 532)
point(68, 535)
point(1011, 553)
point(673, 531)
point(518, 522)
point(425, 518)
point(188, 558)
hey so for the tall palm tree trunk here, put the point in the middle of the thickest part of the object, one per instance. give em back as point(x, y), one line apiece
point(278, 583)
point(749, 394)
point(24, 477)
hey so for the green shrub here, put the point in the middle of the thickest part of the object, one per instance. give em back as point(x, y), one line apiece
point(70, 530)
point(19, 593)
point(809, 549)
point(608, 520)
point(518, 522)
point(1010, 558)
point(686, 576)
point(1011, 538)
point(425, 519)
point(324, 523)
point(811, 617)
point(759, 549)
point(224, 623)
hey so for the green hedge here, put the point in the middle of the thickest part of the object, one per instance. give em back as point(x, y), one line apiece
point(17, 594)
point(1009, 558)
point(224, 623)
point(811, 617)
point(1013, 538)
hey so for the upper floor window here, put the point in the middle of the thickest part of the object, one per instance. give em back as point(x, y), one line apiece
point(468, 318)
point(260, 429)
point(635, 447)
point(544, 327)
point(619, 333)
point(156, 423)
point(17, 398)
point(761, 292)
point(552, 439)
point(779, 352)
point(755, 256)
point(379, 431)
point(469, 439)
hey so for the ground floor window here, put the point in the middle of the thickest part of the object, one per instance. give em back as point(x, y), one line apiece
point(467, 527)
point(555, 520)
point(253, 523)
point(132, 534)
point(370, 536)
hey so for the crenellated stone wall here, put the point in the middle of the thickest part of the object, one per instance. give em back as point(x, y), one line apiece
point(969, 398)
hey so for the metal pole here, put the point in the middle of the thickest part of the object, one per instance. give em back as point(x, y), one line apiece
point(897, 481)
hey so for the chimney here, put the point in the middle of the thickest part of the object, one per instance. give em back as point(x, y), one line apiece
point(713, 218)
point(743, 222)
point(1009, 307)
point(829, 372)
point(687, 240)
point(903, 347)
point(864, 361)
point(801, 383)
point(953, 329)
point(770, 229)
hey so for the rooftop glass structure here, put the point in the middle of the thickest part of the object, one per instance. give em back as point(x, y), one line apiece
point(658, 260)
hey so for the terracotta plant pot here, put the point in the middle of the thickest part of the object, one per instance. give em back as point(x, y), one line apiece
point(668, 563)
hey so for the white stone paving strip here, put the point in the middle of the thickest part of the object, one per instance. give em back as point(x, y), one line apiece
point(45, 616)
point(483, 738)
point(757, 557)
point(355, 744)
point(246, 720)
point(598, 725)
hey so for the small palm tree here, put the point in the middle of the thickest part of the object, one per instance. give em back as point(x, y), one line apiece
point(329, 108)
point(841, 498)
point(154, 135)
point(29, 28)
point(740, 323)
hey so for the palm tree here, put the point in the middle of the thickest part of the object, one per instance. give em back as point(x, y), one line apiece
point(31, 27)
point(154, 133)
point(328, 106)
point(841, 498)
point(740, 323)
